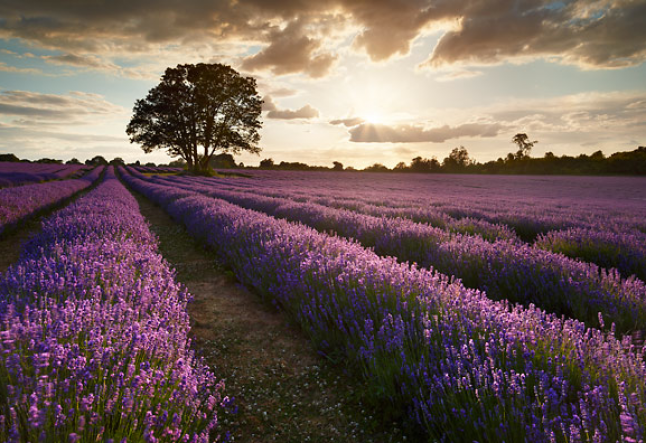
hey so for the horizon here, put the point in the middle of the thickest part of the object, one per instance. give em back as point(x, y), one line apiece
point(353, 82)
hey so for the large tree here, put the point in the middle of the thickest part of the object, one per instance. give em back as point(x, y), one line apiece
point(197, 110)
point(524, 145)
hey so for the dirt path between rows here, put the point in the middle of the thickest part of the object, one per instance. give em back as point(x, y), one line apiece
point(11, 242)
point(283, 389)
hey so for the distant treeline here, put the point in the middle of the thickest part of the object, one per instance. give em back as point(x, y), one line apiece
point(458, 162)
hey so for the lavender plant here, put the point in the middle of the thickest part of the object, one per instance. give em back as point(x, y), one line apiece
point(503, 269)
point(93, 334)
point(19, 203)
point(624, 251)
point(17, 174)
point(466, 368)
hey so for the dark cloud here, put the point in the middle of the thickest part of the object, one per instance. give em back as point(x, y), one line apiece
point(373, 133)
point(599, 34)
point(307, 112)
point(348, 122)
point(294, 35)
point(291, 51)
point(389, 27)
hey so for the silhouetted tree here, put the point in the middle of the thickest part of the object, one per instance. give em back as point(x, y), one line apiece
point(205, 105)
point(457, 160)
point(223, 161)
point(338, 166)
point(419, 164)
point(73, 161)
point(524, 145)
point(9, 158)
point(52, 161)
point(117, 161)
point(179, 163)
point(97, 160)
point(400, 167)
point(267, 163)
point(377, 167)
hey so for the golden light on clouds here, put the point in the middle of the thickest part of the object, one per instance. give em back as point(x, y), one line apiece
point(363, 80)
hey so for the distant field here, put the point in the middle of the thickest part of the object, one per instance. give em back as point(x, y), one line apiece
point(455, 299)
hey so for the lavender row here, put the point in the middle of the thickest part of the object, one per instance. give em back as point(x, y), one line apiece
point(430, 215)
point(93, 334)
point(16, 204)
point(17, 174)
point(453, 360)
point(604, 241)
point(503, 269)
point(601, 243)
point(529, 205)
point(624, 251)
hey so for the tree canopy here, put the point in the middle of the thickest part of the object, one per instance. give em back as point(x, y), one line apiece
point(197, 110)
point(524, 145)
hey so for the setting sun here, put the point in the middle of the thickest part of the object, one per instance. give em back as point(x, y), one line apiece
point(374, 117)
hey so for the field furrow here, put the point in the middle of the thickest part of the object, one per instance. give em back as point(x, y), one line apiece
point(446, 355)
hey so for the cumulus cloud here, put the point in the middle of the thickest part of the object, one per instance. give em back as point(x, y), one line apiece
point(307, 112)
point(293, 35)
point(590, 34)
point(617, 112)
point(291, 51)
point(36, 125)
point(389, 28)
point(379, 133)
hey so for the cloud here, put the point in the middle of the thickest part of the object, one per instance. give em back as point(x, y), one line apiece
point(82, 61)
point(296, 36)
point(5, 68)
point(307, 112)
point(584, 111)
point(595, 34)
point(74, 107)
point(388, 28)
point(35, 125)
point(268, 104)
point(348, 122)
point(291, 51)
point(374, 133)
point(456, 74)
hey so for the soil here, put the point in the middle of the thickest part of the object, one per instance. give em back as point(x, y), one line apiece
point(11, 242)
point(284, 391)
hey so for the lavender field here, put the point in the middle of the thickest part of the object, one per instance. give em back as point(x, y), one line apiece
point(476, 308)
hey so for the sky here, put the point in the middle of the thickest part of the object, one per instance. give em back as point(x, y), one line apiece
point(354, 81)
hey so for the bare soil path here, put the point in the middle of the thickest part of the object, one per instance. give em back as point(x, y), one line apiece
point(283, 389)
point(11, 242)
